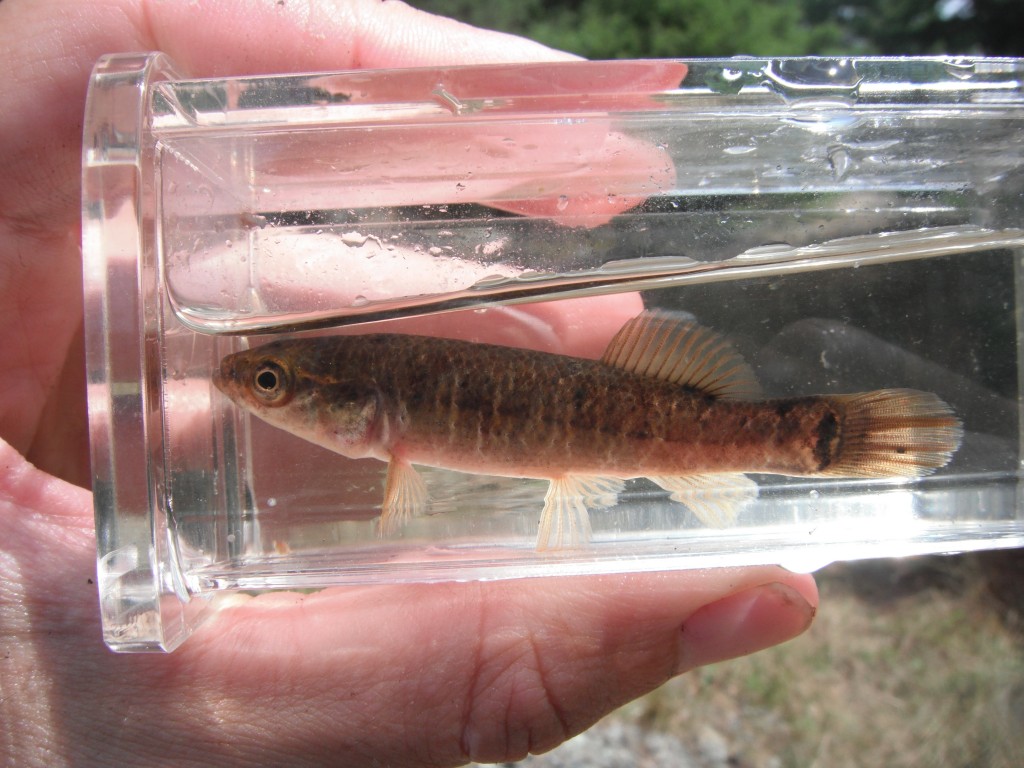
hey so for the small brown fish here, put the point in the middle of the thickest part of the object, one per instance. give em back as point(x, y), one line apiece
point(670, 401)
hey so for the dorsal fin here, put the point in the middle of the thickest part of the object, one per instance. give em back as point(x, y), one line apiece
point(656, 344)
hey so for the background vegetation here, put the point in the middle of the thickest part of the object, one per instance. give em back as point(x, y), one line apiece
point(603, 29)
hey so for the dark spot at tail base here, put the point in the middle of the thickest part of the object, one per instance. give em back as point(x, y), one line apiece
point(828, 429)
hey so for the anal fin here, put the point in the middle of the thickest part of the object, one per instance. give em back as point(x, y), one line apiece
point(405, 495)
point(565, 521)
point(715, 499)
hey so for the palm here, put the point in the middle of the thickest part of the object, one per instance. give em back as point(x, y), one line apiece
point(42, 397)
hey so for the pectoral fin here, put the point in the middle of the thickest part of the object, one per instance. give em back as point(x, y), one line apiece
point(565, 522)
point(405, 495)
point(715, 499)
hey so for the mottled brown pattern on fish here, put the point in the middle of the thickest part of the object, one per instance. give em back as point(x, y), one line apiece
point(669, 401)
point(501, 410)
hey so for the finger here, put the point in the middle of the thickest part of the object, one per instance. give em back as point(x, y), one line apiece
point(441, 674)
point(580, 327)
point(50, 47)
point(47, 554)
point(264, 36)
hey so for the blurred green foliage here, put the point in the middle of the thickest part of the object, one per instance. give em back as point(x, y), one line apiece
point(638, 28)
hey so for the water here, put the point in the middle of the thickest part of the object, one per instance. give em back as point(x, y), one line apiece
point(935, 311)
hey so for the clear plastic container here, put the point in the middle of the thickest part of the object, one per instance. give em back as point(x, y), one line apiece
point(847, 224)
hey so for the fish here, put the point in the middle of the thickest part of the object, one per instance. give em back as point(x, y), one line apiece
point(669, 400)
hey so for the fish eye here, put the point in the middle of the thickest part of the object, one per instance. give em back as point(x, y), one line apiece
point(271, 383)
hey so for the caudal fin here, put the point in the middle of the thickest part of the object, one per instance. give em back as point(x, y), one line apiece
point(895, 433)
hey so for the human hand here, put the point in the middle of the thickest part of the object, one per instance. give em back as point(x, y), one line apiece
point(396, 675)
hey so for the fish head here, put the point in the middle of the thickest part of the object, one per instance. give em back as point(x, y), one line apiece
point(260, 380)
point(287, 385)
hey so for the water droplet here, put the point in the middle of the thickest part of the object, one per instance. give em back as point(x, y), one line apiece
point(489, 281)
point(961, 69)
point(563, 202)
point(840, 162)
point(360, 301)
point(739, 150)
point(799, 76)
point(447, 99)
point(728, 80)
point(272, 501)
point(814, 494)
point(356, 239)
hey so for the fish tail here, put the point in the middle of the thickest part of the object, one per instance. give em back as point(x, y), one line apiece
point(894, 433)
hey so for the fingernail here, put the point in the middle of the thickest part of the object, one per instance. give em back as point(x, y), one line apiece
point(743, 623)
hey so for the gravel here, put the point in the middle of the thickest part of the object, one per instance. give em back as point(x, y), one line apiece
point(613, 744)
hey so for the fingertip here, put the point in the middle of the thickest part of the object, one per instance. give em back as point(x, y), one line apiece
point(395, 34)
point(748, 621)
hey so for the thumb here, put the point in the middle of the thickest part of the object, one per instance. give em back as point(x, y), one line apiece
point(485, 672)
